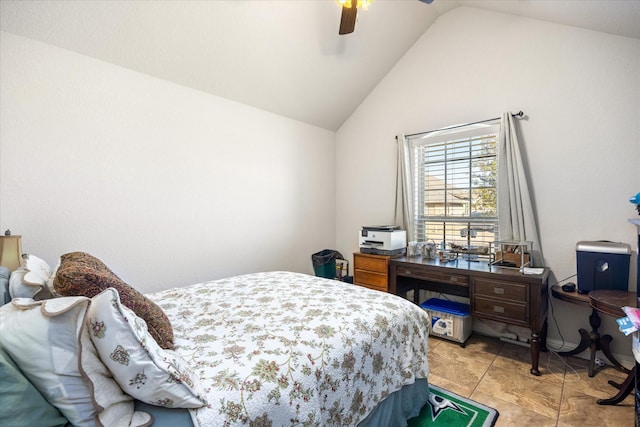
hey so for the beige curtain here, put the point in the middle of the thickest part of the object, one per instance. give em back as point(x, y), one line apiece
point(516, 218)
point(404, 211)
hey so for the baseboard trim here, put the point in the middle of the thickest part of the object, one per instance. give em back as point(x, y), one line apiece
point(557, 346)
point(627, 360)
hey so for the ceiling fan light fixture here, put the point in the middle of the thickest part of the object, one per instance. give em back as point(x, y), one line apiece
point(349, 13)
point(360, 4)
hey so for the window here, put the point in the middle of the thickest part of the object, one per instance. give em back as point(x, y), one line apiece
point(455, 186)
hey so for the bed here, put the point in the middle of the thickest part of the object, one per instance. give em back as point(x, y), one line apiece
point(270, 349)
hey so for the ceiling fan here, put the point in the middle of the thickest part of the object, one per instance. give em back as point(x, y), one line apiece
point(350, 10)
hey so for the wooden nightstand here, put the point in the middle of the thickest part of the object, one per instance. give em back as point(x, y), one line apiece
point(371, 271)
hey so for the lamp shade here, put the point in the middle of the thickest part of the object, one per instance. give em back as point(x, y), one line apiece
point(11, 252)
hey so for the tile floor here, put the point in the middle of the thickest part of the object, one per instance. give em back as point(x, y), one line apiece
point(497, 374)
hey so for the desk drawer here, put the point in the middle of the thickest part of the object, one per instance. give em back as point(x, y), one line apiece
point(500, 309)
point(374, 287)
point(371, 280)
point(378, 264)
point(500, 289)
point(434, 276)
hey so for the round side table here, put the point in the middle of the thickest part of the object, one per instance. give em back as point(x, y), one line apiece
point(592, 340)
point(611, 303)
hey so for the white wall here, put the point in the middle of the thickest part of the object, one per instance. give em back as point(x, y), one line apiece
point(581, 92)
point(167, 185)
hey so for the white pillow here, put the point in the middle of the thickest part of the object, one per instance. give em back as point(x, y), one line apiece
point(31, 280)
point(143, 369)
point(38, 270)
point(45, 339)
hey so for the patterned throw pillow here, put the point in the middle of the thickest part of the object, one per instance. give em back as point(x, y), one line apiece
point(143, 369)
point(83, 274)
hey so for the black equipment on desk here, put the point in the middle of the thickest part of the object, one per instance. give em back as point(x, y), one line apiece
point(602, 265)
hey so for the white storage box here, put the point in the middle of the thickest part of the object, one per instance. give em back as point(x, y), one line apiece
point(449, 319)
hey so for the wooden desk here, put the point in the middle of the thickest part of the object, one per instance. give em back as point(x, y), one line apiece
point(495, 293)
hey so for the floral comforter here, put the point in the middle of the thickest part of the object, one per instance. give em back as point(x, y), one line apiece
point(288, 349)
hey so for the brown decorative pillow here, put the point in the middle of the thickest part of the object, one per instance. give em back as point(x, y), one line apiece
point(83, 274)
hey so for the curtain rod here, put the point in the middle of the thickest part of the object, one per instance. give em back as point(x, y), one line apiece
point(519, 114)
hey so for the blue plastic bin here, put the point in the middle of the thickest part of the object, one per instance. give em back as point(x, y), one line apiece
point(449, 319)
point(446, 306)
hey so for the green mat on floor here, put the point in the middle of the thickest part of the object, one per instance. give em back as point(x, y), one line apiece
point(449, 409)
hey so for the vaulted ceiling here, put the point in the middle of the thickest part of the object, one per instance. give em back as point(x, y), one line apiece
point(285, 56)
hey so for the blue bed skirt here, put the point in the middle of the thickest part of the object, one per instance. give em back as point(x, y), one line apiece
point(394, 411)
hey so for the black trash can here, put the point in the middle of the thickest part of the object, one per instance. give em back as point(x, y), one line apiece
point(324, 263)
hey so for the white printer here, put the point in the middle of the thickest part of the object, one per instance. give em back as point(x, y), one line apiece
point(383, 240)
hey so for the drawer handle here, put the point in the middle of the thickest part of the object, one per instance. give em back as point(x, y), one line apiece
point(498, 309)
point(453, 279)
point(499, 291)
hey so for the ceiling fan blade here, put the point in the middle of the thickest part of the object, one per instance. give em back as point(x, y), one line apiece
point(348, 20)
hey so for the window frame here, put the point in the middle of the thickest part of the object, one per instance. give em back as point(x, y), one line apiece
point(487, 133)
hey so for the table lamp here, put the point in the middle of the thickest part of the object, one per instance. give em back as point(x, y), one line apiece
point(10, 251)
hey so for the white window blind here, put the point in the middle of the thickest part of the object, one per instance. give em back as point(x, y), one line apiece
point(455, 186)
